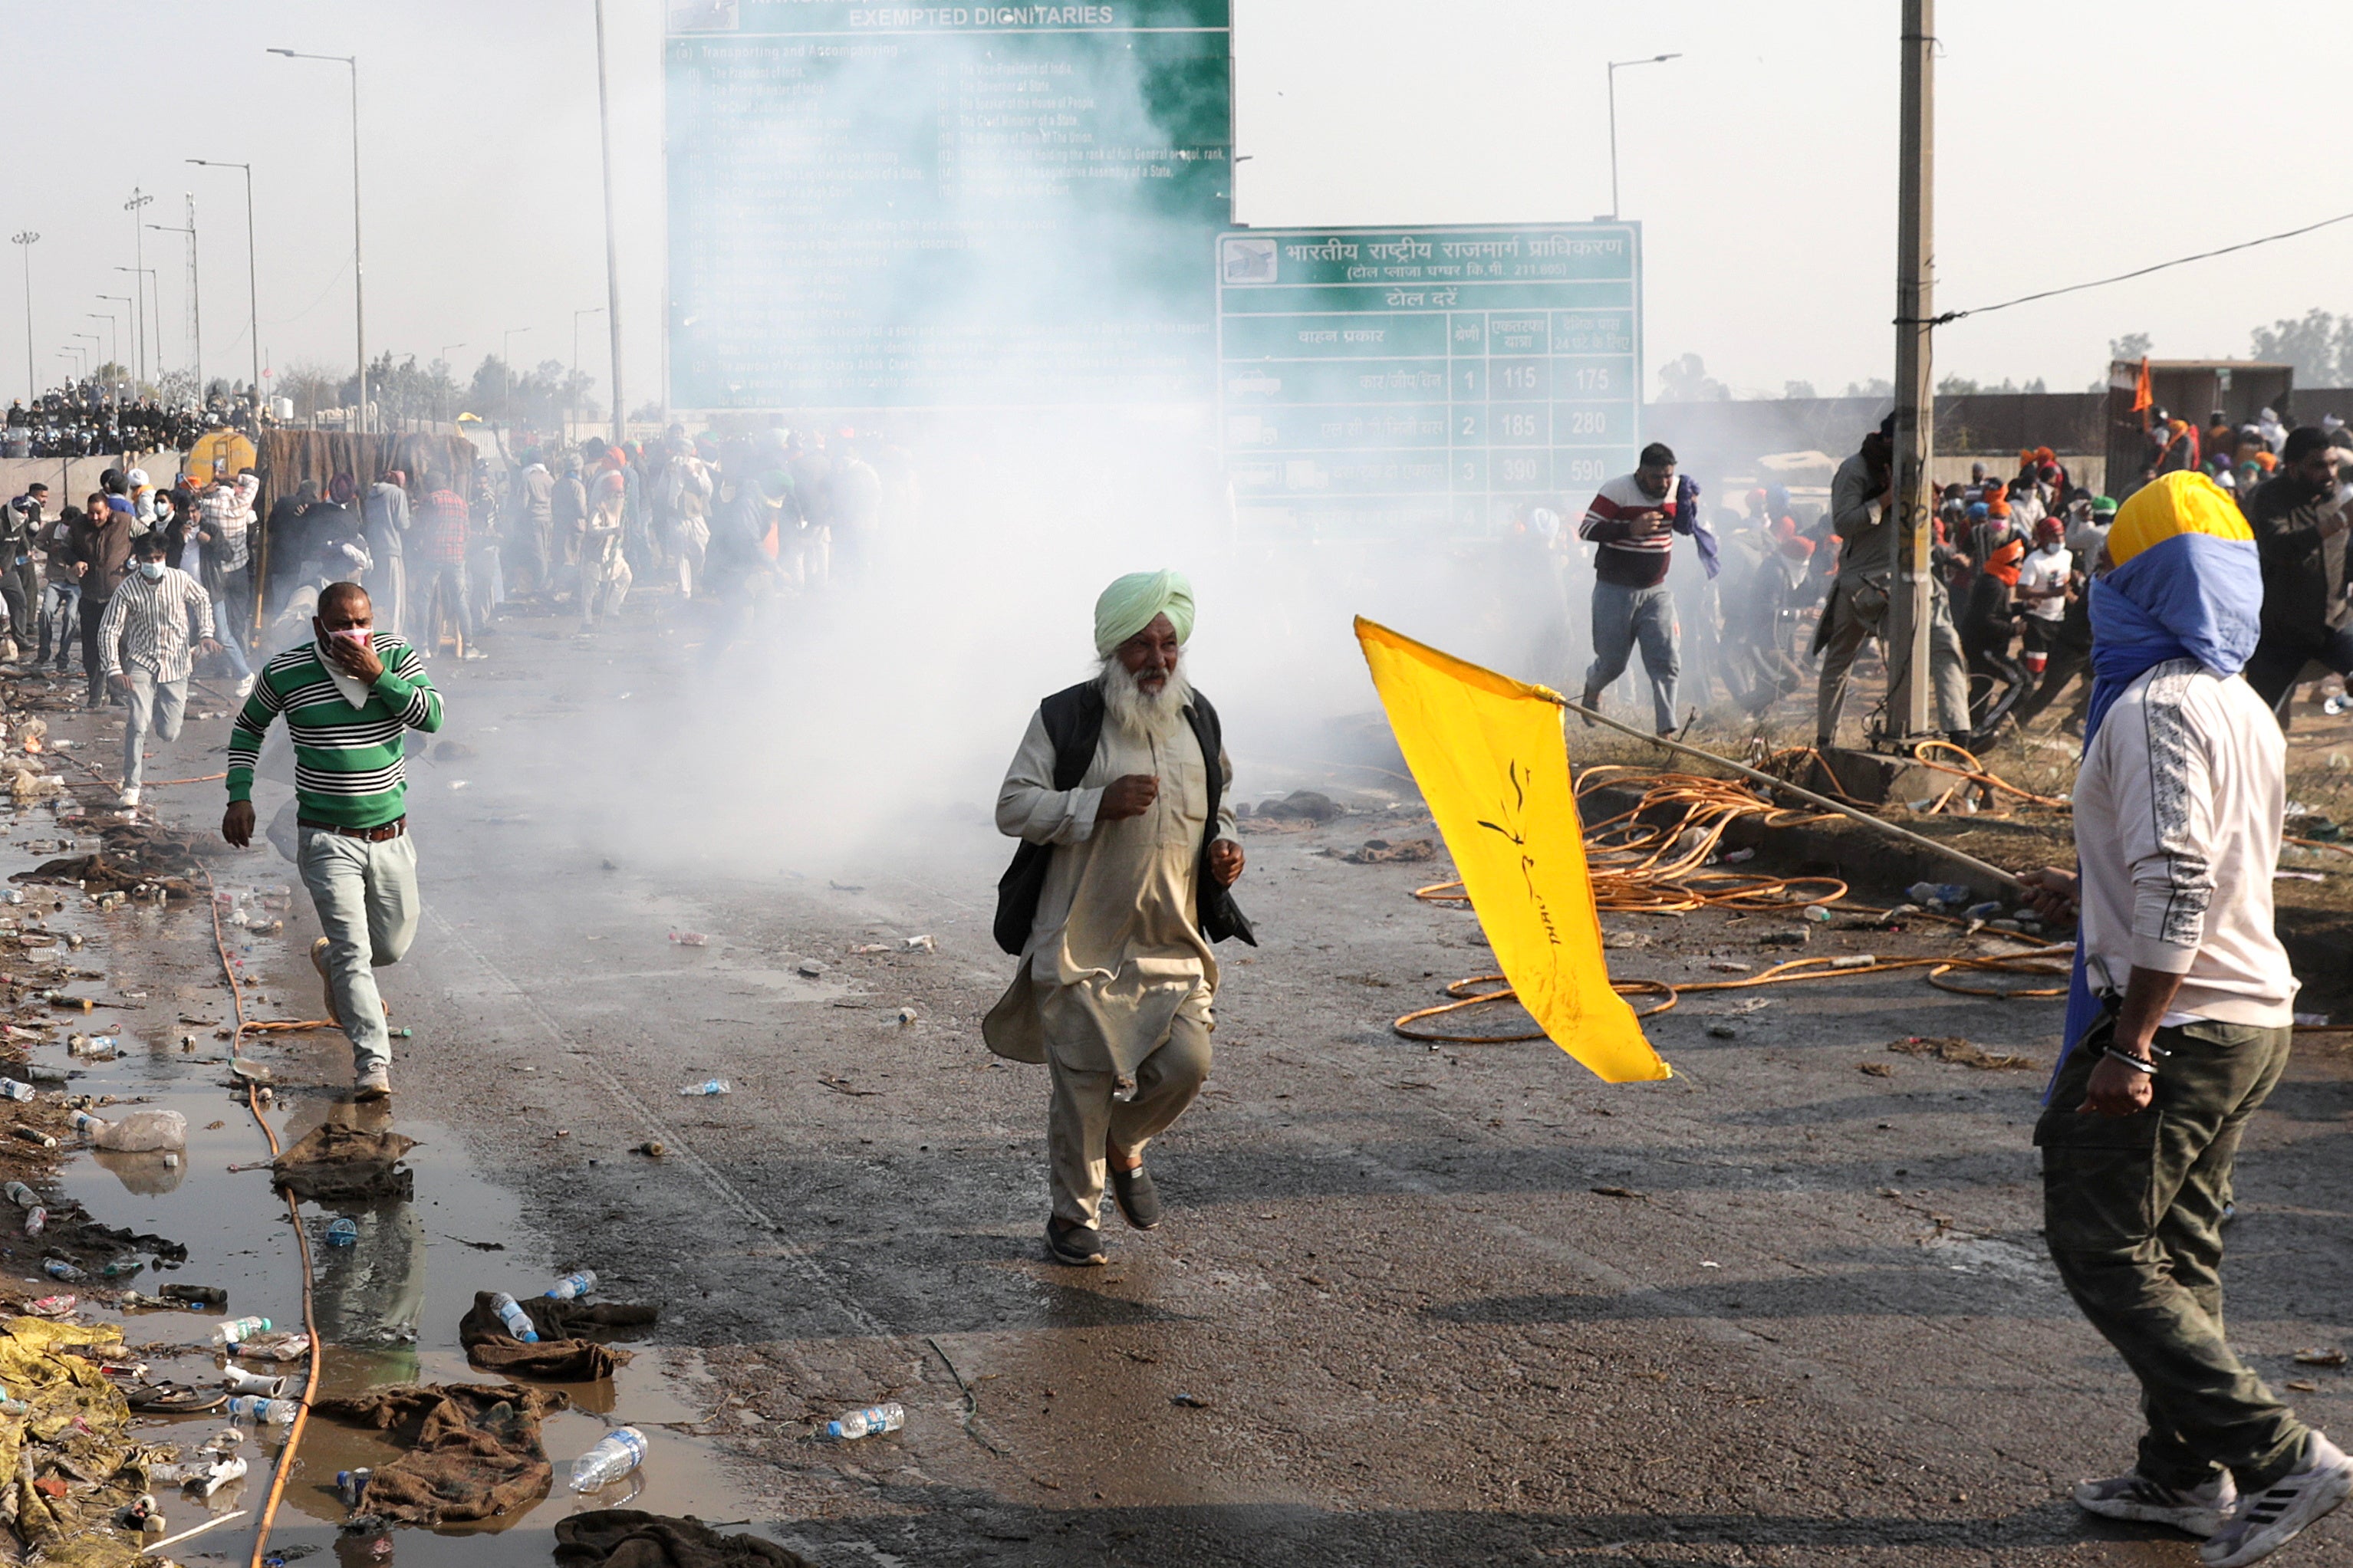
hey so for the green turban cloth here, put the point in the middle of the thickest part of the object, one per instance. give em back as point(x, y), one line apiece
point(1128, 605)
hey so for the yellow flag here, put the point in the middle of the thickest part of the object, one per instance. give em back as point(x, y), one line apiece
point(1488, 754)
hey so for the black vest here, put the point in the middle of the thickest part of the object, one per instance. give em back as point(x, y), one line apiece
point(1074, 720)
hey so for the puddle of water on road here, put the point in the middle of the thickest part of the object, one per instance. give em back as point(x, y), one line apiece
point(387, 1308)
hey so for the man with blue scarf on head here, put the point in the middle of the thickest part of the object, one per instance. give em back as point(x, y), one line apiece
point(2178, 1022)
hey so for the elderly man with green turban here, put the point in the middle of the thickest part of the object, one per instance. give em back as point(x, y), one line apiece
point(1119, 797)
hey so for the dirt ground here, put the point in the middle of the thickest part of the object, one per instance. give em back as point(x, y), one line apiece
point(1412, 1304)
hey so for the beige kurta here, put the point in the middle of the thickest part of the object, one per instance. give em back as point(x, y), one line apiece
point(1116, 949)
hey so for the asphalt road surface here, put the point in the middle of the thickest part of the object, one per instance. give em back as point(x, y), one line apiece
point(1412, 1305)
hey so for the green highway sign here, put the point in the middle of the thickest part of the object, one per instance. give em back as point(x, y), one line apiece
point(1379, 383)
point(944, 206)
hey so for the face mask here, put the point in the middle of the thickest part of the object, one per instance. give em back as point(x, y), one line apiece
point(152, 570)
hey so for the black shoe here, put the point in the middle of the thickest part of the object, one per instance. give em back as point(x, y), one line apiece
point(1078, 1245)
point(1139, 1202)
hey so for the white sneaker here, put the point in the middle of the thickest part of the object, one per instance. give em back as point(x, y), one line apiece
point(2198, 1511)
point(244, 688)
point(130, 798)
point(374, 1084)
point(2268, 1520)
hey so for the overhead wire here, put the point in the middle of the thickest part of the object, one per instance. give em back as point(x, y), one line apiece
point(1950, 316)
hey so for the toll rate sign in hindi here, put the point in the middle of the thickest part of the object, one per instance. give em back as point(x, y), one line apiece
point(1411, 381)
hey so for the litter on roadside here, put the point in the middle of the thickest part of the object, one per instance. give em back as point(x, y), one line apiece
point(690, 938)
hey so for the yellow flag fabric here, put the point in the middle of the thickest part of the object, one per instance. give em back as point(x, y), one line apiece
point(1488, 754)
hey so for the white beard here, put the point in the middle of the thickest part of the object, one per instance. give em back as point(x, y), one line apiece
point(1156, 716)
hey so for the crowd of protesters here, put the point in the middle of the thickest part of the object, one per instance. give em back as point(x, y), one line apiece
point(742, 522)
point(1772, 598)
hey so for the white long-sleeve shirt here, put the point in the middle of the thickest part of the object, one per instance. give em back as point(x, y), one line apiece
point(2178, 823)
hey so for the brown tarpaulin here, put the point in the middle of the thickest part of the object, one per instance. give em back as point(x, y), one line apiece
point(625, 1538)
point(562, 1354)
point(473, 1448)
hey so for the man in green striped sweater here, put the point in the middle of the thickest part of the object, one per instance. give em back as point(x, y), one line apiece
point(348, 694)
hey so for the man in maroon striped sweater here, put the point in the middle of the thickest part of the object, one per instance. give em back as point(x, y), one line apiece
point(1633, 522)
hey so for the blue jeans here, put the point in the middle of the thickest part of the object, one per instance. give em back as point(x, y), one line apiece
point(233, 620)
point(60, 615)
point(1622, 616)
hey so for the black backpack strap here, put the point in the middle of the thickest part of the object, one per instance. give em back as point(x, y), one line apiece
point(1219, 917)
point(1073, 718)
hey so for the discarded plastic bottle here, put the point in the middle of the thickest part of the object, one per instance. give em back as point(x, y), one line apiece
point(120, 1268)
point(709, 1086)
point(267, 1412)
point(23, 1196)
point(572, 1286)
point(58, 1268)
point(623, 1450)
point(1817, 913)
point(236, 1380)
point(345, 1232)
point(238, 1328)
point(36, 1220)
point(10, 1088)
point(517, 1320)
point(1984, 911)
point(351, 1485)
point(140, 1133)
point(1938, 893)
point(866, 1423)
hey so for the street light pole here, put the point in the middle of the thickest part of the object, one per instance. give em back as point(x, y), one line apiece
point(142, 289)
point(612, 248)
point(24, 240)
point(139, 256)
point(118, 299)
point(252, 289)
point(195, 296)
point(112, 324)
point(570, 401)
point(1911, 605)
point(359, 293)
point(1615, 66)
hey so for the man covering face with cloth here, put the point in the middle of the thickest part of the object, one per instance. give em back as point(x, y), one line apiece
point(1118, 795)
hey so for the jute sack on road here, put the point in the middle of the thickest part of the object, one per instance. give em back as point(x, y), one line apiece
point(335, 1163)
point(565, 1354)
point(474, 1451)
point(625, 1538)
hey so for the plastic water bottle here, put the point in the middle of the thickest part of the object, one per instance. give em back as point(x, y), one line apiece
point(1938, 893)
point(866, 1423)
point(517, 1320)
point(36, 1220)
point(345, 1232)
point(12, 1089)
point(58, 1268)
point(708, 1087)
point(623, 1450)
point(238, 1328)
point(23, 1196)
point(351, 1485)
point(573, 1286)
point(267, 1412)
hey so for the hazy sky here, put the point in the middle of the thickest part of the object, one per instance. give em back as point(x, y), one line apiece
point(1762, 165)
